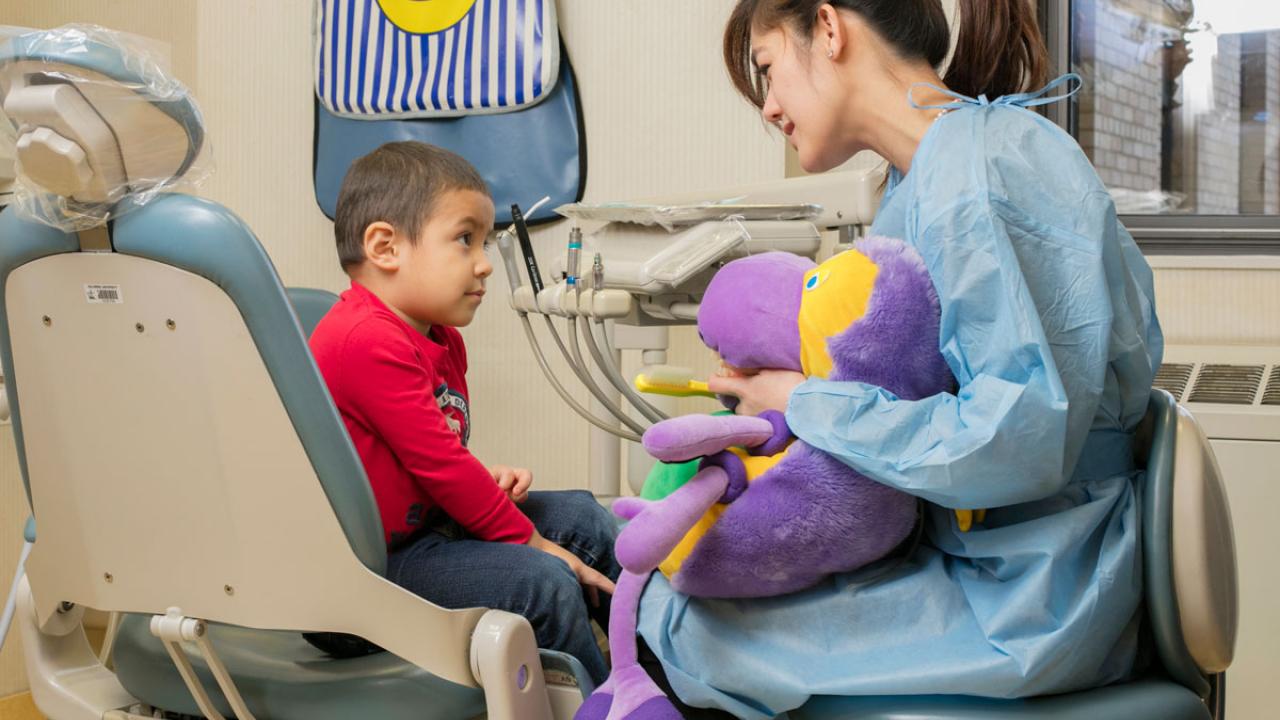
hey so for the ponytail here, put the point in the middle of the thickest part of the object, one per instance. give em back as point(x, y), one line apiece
point(999, 50)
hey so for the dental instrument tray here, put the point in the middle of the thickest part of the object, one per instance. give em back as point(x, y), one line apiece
point(672, 216)
point(652, 261)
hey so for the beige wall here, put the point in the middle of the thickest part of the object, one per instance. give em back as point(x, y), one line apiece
point(660, 116)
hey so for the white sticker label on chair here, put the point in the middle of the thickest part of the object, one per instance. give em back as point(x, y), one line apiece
point(103, 294)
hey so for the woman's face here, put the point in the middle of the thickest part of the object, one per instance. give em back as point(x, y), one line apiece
point(801, 96)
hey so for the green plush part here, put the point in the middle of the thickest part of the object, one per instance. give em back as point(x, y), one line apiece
point(666, 478)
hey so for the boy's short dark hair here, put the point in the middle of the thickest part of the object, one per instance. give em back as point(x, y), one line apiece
point(399, 184)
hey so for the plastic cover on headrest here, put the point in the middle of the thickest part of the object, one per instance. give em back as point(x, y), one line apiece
point(102, 127)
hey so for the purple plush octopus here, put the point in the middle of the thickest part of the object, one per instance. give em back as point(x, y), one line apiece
point(766, 514)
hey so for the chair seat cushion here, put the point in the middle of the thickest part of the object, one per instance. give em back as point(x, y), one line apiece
point(1150, 699)
point(282, 677)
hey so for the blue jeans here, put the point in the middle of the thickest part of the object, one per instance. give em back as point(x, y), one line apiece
point(448, 567)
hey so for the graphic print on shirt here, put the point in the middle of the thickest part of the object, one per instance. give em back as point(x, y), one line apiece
point(415, 516)
point(456, 412)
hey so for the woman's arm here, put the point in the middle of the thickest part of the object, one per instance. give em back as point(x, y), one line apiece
point(1030, 356)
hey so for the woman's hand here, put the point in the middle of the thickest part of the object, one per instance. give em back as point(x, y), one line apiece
point(759, 391)
point(591, 579)
point(514, 482)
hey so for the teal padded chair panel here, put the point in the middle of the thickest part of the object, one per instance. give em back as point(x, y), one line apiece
point(21, 242)
point(1161, 426)
point(282, 677)
point(310, 305)
point(1142, 700)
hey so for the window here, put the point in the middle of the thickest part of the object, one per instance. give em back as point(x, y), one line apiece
point(1180, 111)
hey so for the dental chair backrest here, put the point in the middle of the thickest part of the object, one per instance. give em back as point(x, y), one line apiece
point(1190, 568)
point(178, 445)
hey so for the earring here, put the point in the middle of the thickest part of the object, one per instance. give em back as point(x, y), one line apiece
point(830, 53)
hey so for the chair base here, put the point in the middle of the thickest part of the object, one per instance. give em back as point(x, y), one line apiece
point(282, 677)
point(67, 681)
point(1147, 699)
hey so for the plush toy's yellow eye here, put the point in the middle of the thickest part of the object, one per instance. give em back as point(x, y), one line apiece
point(423, 17)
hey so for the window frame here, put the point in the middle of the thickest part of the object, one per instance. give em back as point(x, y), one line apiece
point(1157, 234)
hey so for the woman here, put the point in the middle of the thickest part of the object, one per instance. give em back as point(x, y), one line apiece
point(1049, 326)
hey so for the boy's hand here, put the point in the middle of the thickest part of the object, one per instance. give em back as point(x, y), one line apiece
point(514, 482)
point(592, 580)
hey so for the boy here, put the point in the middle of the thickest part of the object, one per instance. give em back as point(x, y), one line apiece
point(411, 226)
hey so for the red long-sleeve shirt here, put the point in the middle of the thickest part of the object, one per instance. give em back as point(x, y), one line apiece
point(403, 398)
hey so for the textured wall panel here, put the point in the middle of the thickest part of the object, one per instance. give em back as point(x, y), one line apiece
point(1226, 301)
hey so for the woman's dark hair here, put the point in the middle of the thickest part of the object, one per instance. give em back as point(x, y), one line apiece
point(999, 50)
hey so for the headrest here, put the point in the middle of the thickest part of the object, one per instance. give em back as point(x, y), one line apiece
point(98, 122)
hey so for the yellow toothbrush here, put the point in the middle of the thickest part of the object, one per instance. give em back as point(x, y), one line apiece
point(674, 381)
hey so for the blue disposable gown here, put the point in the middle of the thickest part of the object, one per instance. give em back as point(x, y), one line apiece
point(1049, 325)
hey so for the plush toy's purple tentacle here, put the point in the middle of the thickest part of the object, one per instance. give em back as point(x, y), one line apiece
point(691, 436)
point(629, 507)
point(658, 528)
point(734, 468)
point(629, 693)
point(624, 608)
point(781, 437)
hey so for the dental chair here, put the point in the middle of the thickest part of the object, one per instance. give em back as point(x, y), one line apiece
point(1190, 595)
point(183, 461)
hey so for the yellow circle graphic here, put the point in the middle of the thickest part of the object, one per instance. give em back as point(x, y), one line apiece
point(423, 17)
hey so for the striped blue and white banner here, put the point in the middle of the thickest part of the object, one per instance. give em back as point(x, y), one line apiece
point(502, 55)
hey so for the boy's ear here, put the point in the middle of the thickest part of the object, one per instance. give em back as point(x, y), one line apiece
point(381, 246)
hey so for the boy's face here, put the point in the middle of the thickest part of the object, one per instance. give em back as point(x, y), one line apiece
point(442, 276)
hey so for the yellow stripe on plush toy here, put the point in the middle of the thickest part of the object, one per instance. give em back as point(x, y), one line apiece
point(835, 295)
point(756, 466)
